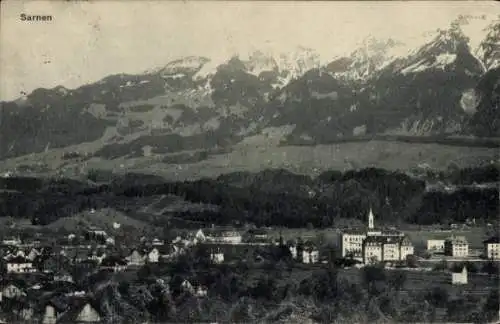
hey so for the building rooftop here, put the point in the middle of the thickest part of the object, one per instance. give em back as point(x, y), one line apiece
point(457, 240)
point(493, 239)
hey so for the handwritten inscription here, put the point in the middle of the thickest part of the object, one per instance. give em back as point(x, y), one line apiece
point(35, 18)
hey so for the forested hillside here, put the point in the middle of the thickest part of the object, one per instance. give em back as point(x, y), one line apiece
point(269, 198)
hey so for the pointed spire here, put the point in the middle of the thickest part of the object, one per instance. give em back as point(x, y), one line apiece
point(371, 219)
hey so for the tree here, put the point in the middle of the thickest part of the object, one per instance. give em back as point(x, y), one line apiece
point(441, 265)
point(490, 268)
point(144, 272)
point(374, 279)
point(397, 279)
point(437, 296)
point(491, 306)
point(411, 261)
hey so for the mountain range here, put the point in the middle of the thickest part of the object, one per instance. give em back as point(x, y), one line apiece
point(193, 108)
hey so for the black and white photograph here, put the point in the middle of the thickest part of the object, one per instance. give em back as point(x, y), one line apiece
point(219, 162)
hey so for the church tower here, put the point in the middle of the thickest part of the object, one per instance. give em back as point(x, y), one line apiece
point(371, 220)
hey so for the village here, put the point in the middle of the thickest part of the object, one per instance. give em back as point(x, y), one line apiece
point(32, 269)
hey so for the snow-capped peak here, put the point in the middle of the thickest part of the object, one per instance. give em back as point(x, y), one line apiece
point(288, 66)
point(371, 56)
point(488, 50)
point(188, 64)
point(258, 62)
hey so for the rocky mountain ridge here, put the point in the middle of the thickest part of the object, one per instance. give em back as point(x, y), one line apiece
point(441, 88)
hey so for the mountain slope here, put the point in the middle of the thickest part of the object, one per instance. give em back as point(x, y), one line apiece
point(194, 108)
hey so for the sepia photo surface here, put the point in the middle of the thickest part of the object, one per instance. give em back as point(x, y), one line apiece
point(249, 162)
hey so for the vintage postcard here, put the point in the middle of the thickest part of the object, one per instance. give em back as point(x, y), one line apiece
point(249, 161)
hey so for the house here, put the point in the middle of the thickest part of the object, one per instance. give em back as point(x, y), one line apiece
point(201, 291)
point(223, 236)
point(216, 255)
point(187, 286)
point(49, 315)
point(96, 234)
point(199, 236)
point(32, 254)
point(26, 312)
point(15, 241)
point(114, 263)
point(435, 246)
point(19, 264)
point(11, 291)
point(492, 248)
point(157, 242)
point(390, 249)
point(77, 255)
point(456, 246)
point(14, 254)
point(63, 276)
point(135, 258)
point(386, 248)
point(372, 250)
point(257, 235)
point(310, 253)
point(52, 312)
point(97, 255)
point(110, 241)
point(459, 278)
point(194, 288)
point(153, 255)
point(353, 245)
point(51, 263)
point(292, 246)
point(406, 247)
point(82, 312)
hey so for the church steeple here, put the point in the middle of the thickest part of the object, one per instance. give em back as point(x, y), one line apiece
point(371, 220)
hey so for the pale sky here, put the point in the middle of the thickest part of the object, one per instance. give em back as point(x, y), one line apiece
point(89, 40)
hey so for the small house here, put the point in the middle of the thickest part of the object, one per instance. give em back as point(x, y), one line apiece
point(153, 255)
point(52, 312)
point(19, 264)
point(14, 241)
point(82, 312)
point(459, 278)
point(63, 276)
point(223, 236)
point(216, 255)
point(32, 254)
point(157, 242)
point(310, 254)
point(114, 263)
point(435, 246)
point(187, 286)
point(11, 291)
point(201, 291)
point(135, 258)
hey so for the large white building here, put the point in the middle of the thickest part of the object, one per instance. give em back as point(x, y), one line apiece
point(492, 248)
point(375, 245)
point(435, 246)
point(456, 246)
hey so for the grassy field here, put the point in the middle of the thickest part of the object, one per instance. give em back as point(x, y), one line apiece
point(310, 160)
point(423, 280)
point(475, 236)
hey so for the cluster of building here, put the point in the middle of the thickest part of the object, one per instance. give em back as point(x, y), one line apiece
point(459, 247)
point(373, 244)
point(228, 241)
